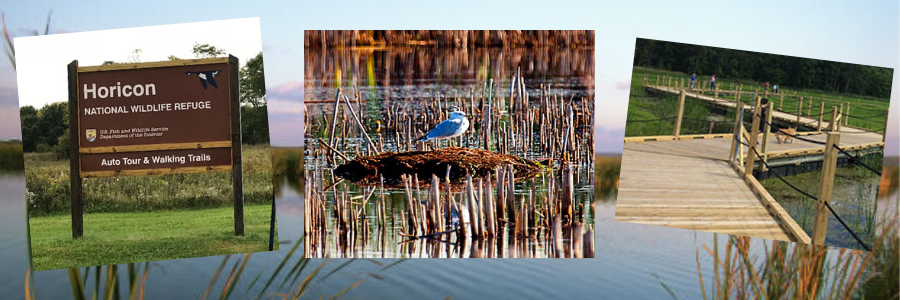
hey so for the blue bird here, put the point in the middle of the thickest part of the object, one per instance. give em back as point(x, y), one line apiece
point(454, 127)
point(206, 76)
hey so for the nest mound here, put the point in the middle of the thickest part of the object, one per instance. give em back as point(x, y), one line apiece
point(462, 162)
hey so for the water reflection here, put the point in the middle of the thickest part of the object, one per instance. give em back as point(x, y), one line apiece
point(533, 103)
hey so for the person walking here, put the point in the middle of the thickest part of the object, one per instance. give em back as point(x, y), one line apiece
point(775, 88)
point(712, 82)
point(693, 78)
point(767, 86)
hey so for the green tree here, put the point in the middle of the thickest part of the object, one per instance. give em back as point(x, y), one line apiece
point(253, 82)
point(207, 51)
point(30, 133)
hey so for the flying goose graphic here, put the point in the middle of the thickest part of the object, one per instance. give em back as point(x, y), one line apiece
point(206, 76)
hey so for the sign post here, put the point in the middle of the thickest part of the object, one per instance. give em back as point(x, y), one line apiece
point(169, 117)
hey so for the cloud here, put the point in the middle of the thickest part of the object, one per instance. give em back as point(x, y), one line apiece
point(290, 91)
point(286, 114)
point(609, 140)
point(10, 126)
point(9, 95)
point(285, 130)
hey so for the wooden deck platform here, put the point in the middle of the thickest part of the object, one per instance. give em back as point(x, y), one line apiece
point(658, 186)
point(688, 181)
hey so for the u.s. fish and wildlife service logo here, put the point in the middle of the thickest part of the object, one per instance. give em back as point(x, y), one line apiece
point(91, 134)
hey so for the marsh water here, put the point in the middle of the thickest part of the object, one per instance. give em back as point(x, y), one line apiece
point(416, 83)
point(632, 261)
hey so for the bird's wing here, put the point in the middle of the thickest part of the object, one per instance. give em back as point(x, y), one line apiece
point(212, 82)
point(203, 81)
point(445, 128)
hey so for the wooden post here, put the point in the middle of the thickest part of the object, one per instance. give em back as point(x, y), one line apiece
point(737, 97)
point(781, 103)
point(754, 136)
point(716, 94)
point(680, 113)
point(657, 80)
point(711, 124)
point(799, 111)
point(735, 141)
point(821, 115)
point(847, 115)
point(840, 115)
point(834, 116)
point(74, 155)
point(809, 108)
point(237, 178)
point(768, 129)
point(829, 165)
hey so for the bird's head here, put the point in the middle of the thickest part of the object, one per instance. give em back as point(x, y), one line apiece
point(457, 115)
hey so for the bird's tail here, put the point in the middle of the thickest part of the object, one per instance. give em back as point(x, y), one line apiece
point(424, 138)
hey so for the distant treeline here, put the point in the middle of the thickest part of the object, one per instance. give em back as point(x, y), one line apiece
point(11, 158)
point(788, 71)
point(47, 129)
point(449, 38)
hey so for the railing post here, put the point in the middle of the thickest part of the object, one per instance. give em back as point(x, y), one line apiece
point(737, 97)
point(735, 142)
point(847, 115)
point(821, 115)
point(834, 116)
point(716, 94)
point(809, 108)
point(781, 103)
point(754, 136)
point(841, 115)
point(829, 165)
point(680, 113)
point(799, 111)
point(768, 129)
point(657, 80)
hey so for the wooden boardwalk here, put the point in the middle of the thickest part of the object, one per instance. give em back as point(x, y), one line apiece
point(688, 181)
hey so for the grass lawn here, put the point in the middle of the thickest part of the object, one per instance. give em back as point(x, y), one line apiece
point(867, 112)
point(116, 238)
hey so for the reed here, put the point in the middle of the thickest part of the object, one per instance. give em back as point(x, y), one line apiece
point(477, 212)
point(448, 38)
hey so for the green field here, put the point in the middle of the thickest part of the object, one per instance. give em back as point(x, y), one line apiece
point(865, 112)
point(115, 238)
point(644, 107)
point(47, 183)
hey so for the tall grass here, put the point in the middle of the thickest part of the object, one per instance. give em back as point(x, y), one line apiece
point(800, 271)
point(11, 158)
point(296, 274)
point(47, 187)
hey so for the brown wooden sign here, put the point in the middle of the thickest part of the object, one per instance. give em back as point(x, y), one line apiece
point(180, 116)
point(149, 107)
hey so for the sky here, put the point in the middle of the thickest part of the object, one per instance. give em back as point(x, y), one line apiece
point(843, 31)
point(43, 77)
